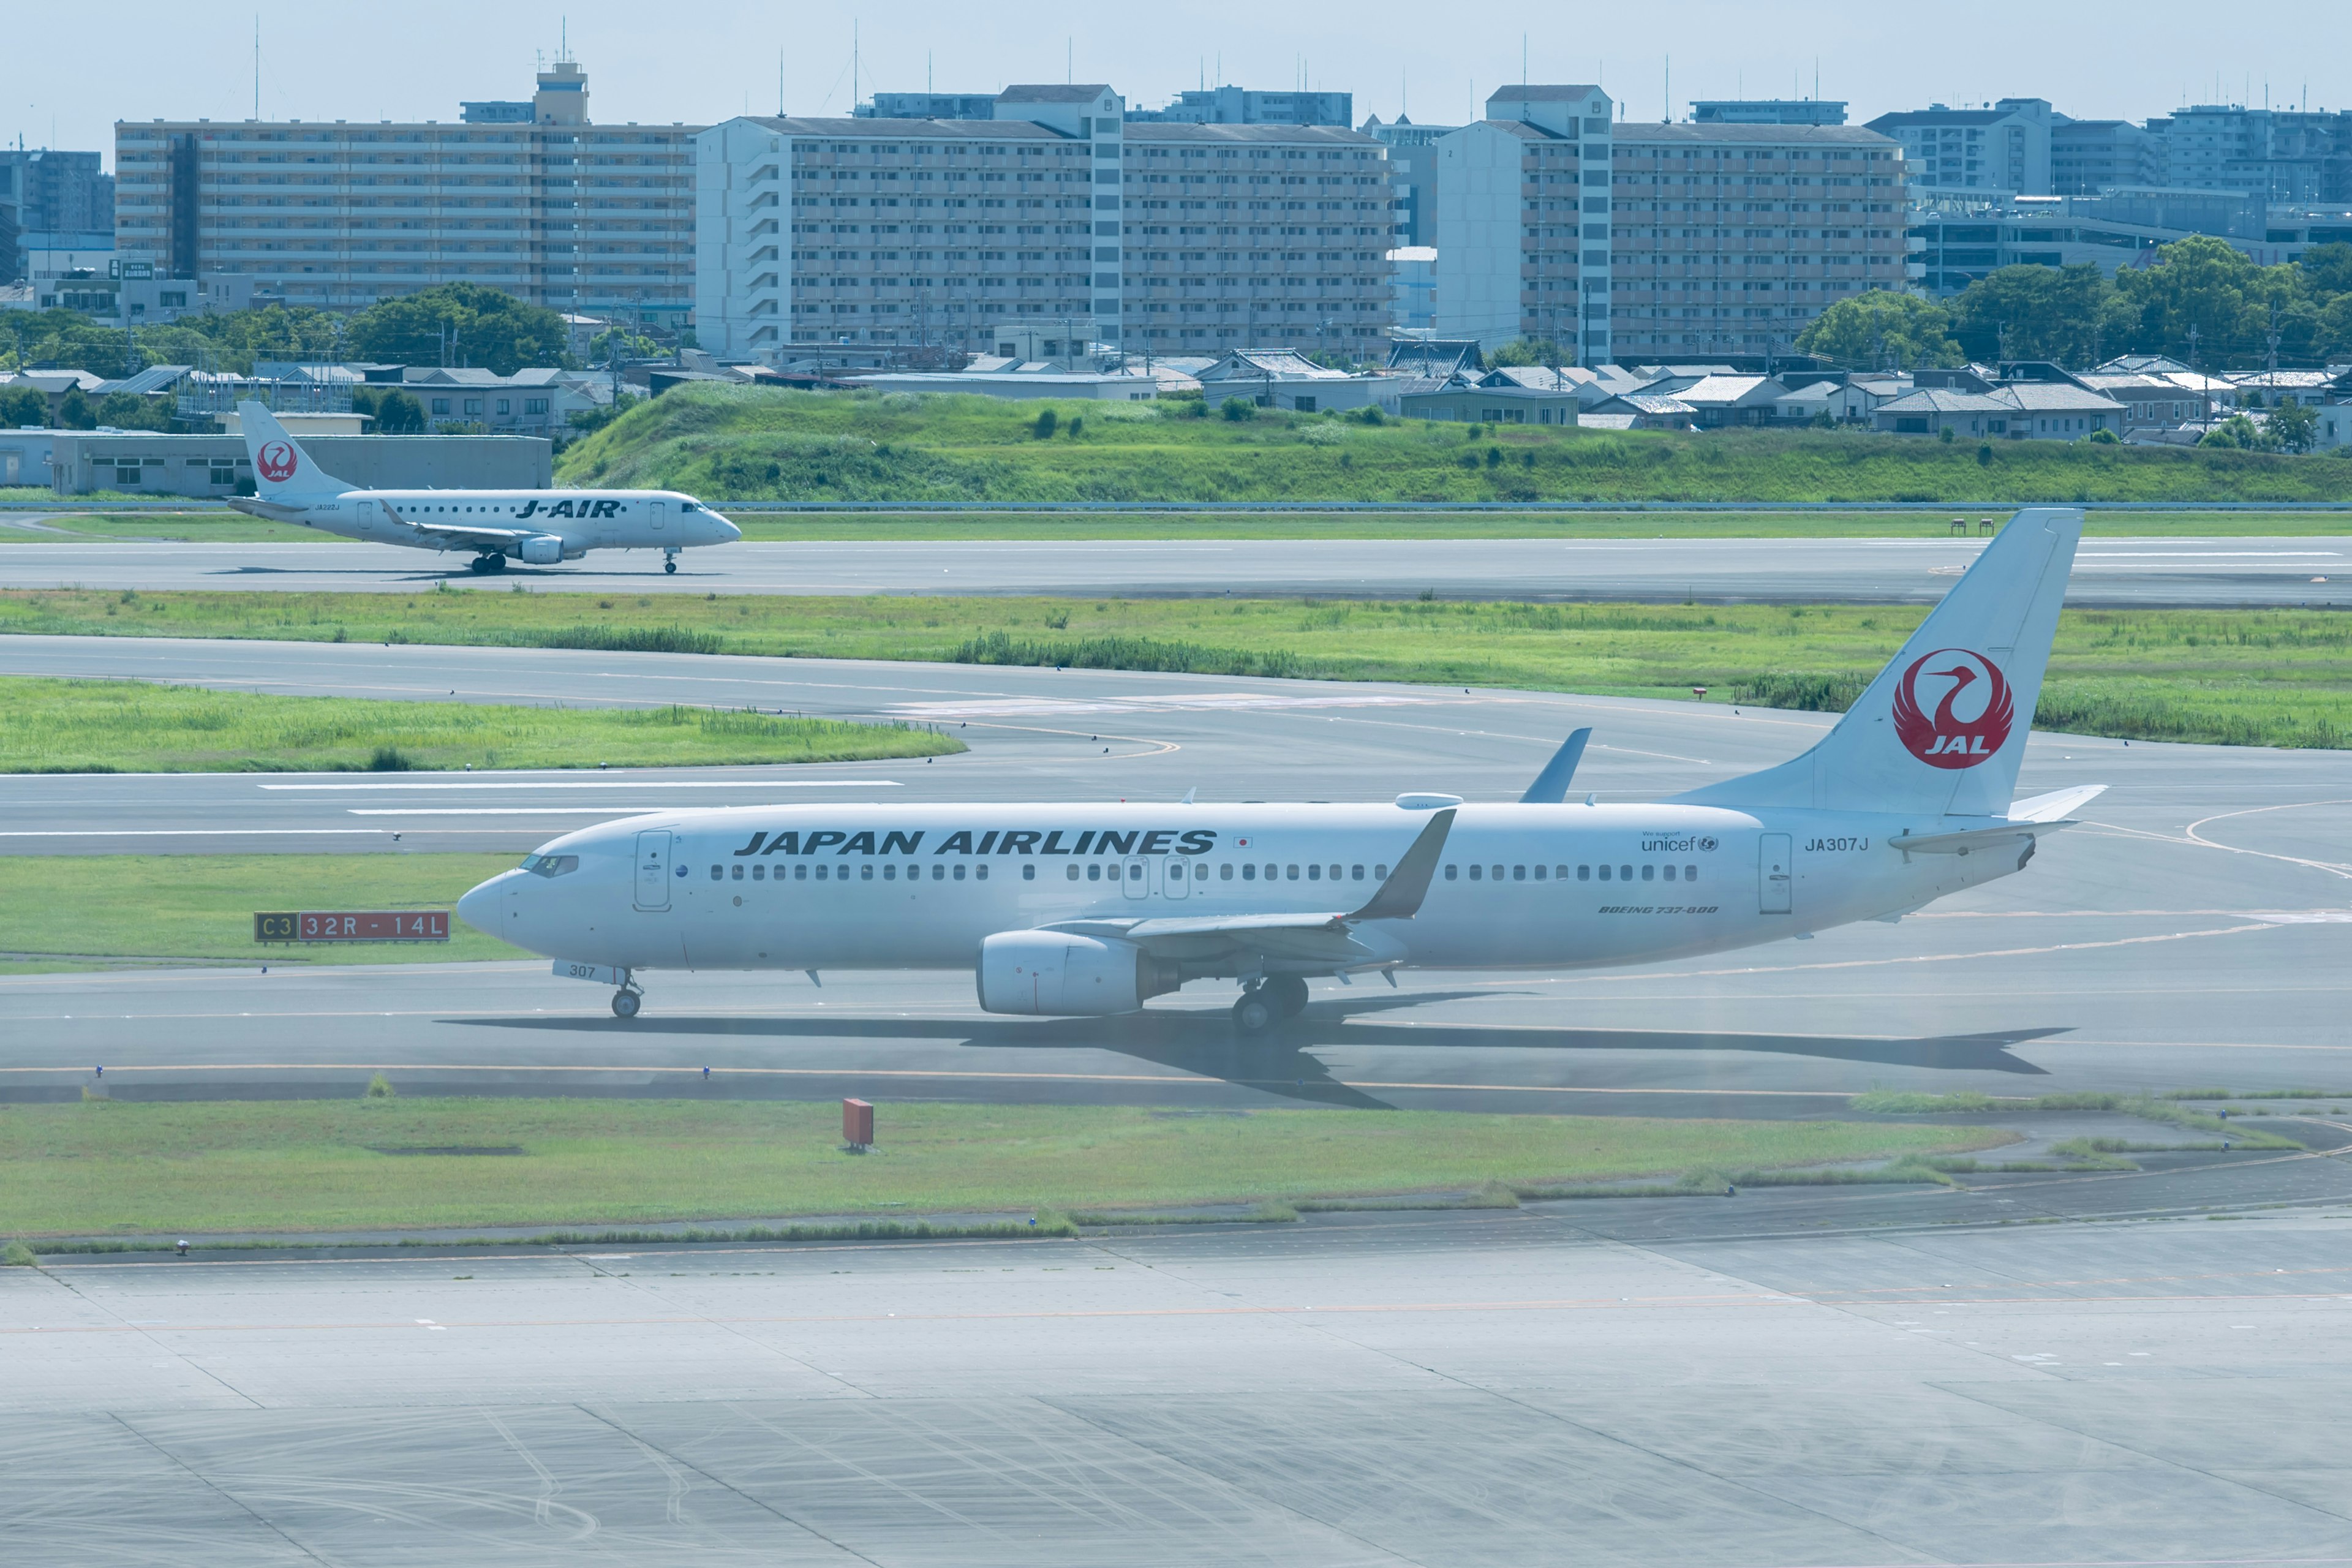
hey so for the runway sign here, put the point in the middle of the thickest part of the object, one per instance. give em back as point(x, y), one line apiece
point(354, 925)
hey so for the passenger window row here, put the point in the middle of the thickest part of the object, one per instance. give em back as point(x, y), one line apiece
point(839, 872)
point(1560, 873)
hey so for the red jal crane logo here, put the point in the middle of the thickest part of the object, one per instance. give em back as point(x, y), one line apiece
point(1970, 714)
point(276, 462)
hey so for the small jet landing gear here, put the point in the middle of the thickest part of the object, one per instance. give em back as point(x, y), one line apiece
point(627, 1000)
point(1255, 1013)
point(488, 564)
point(670, 561)
point(1288, 994)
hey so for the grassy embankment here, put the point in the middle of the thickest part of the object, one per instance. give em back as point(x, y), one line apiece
point(2241, 676)
point(752, 444)
point(99, 1168)
point(63, 911)
point(106, 726)
point(915, 526)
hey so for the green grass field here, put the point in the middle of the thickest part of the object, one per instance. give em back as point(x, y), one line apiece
point(745, 443)
point(97, 1168)
point(110, 726)
point(2278, 677)
point(223, 527)
point(61, 910)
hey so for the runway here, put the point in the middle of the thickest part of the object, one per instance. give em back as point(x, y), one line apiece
point(2109, 572)
point(1437, 1390)
point(2194, 931)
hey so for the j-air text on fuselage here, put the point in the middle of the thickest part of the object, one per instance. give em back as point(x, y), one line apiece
point(1087, 910)
point(539, 527)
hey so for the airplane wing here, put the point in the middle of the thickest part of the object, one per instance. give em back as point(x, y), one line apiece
point(461, 534)
point(1335, 938)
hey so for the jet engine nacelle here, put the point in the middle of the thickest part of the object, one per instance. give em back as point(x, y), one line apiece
point(543, 549)
point(1055, 973)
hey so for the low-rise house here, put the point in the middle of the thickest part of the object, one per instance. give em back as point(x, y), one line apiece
point(1515, 395)
point(536, 401)
point(1722, 401)
point(1285, 378)
point(2015, 411)
point(1641, 411)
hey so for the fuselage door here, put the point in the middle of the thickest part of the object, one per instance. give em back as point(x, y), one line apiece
point(1139, 879)
point(659, 512)
point(1176, 875)
point(653, 870)
point(1773, 873)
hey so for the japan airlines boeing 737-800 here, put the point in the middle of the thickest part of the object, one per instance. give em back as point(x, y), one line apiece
point(1092, 910)
point(540, 528)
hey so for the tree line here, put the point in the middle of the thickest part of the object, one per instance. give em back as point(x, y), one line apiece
point(451, 323)
point(2204, 303)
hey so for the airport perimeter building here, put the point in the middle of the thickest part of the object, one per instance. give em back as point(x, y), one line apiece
point(927, 233)
point(531, 197)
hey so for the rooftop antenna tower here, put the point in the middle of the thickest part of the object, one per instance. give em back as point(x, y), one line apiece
point(256, 64)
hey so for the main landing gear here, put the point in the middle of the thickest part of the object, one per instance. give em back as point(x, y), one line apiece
point(670, 561)
point(1266, 1003)
point(488, 564)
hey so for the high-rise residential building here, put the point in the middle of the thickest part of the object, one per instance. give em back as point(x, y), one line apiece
point(1413, 175)
point(50, 198)
point(2087, 156)
point(1522, 222)
point(2000, 151)
point(1731, 238)
point(1769, 111)
point(927, 106)
point(927, 235)
point(2277, 155)
point(559, 210)
point(1247, 106)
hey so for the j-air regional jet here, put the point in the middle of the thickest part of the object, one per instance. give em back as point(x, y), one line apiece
point(539, 527)
point(1089, 910)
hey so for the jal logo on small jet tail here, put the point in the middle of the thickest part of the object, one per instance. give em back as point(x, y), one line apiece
point(275, 461)
point(1952, 709)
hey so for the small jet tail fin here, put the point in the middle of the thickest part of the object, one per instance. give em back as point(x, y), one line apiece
point(1942, 729)
point(281, 467)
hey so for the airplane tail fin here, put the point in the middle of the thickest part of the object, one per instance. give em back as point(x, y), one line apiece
point(281, 467)
point(1943, 728)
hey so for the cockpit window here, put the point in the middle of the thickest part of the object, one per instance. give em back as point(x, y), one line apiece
point(550, 865)
point(689, 506)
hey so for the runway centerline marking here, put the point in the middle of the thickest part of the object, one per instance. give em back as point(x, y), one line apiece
point(616, 783)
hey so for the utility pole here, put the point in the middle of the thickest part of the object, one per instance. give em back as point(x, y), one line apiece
point(2192, 346)
point(2271, 337)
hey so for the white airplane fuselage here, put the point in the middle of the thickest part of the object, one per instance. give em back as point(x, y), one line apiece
point(1549, 886)
point(572, 522)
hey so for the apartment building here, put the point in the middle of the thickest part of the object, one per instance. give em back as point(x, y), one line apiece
point(1522, 221)
point(2087, 156)
point(1412, 173)
point(1729, 238)
point(1629, 241)
point(925, 236)
point(2003, 149)
point(2275, 155)
point(1250, 106)
point(560, 211)
point(1769, 111)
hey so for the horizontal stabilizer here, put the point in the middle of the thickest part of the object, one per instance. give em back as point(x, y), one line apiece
point(2058, 802)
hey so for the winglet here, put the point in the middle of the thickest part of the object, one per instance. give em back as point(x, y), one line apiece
point(1400, 897)
point(1550, 787)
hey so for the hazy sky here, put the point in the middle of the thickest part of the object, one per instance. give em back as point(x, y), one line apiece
point(70, 73)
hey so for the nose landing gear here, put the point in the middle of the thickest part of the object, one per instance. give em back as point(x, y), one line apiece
point(669, 559)
point(627, 1000)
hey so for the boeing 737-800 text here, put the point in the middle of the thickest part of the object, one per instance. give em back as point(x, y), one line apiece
point(1078, 909)
point(539, 527)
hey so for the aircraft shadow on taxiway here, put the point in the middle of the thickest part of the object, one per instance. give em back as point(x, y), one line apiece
point(1281, 1062)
